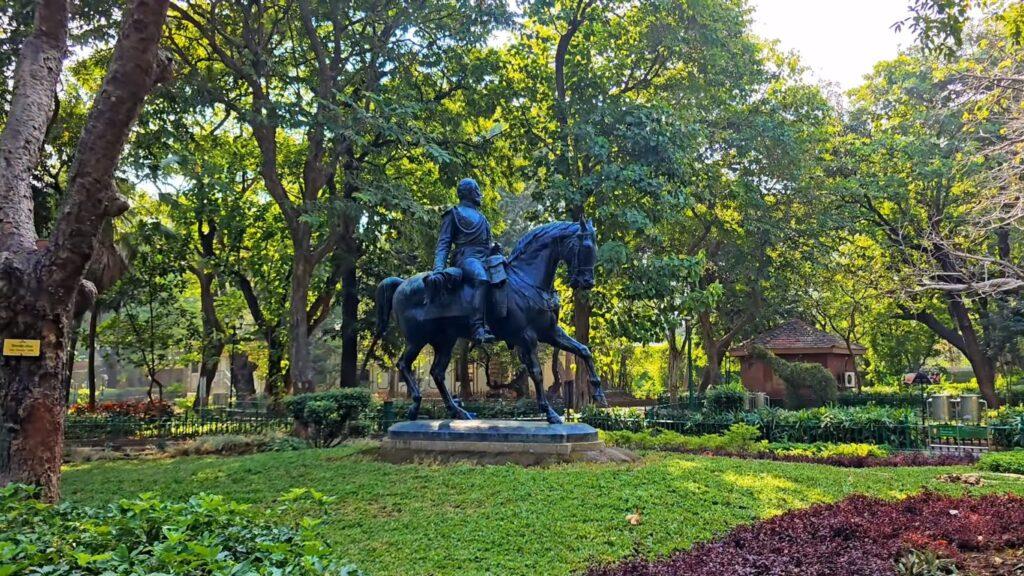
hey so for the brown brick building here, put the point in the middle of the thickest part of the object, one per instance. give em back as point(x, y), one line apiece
point(795, 341)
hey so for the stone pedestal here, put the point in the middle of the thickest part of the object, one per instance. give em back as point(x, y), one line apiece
point(496, 442)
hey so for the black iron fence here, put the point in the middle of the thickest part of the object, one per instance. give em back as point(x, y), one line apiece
point(95, 429)
point(92, 429)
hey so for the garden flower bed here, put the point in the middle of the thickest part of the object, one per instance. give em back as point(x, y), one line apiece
point(859, 536)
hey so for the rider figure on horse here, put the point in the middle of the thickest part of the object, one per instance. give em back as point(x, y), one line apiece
point(466, 228)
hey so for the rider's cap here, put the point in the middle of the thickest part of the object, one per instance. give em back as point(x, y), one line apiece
point(467, 185)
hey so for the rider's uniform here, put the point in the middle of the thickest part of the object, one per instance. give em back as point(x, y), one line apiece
point(467, 229)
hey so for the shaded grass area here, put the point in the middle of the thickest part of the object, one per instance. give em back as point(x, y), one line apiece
point(460, 519)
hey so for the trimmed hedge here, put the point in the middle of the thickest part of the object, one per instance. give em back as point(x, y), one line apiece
point(726, 398)
point(325, 417)
point(869, 424)
point(868, 398)
point(808, 384)
point(739, 438)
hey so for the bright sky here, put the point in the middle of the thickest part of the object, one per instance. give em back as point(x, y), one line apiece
point(839, 40)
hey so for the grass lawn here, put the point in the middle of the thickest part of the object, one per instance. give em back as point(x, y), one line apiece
point(505, 520)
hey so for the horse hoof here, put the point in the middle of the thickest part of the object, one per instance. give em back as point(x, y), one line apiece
point(554, 418)
point(412, 414)
point(461, 414)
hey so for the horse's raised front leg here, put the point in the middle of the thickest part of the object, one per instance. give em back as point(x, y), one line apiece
point(559, 339)
point(442, 357)
point(528, 356)
point(405, 369)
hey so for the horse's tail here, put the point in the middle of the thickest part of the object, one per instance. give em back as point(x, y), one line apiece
point(385, 294)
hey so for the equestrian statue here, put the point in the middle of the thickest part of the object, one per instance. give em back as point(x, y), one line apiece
point(474, 292)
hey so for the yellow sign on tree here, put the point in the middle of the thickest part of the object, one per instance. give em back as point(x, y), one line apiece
point(19, 347)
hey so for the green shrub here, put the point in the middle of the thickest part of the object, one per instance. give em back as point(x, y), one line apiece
point(925, 563)
point(807, 384)
point(726, 398)
point(868, 424)
point(880, 425)
point(285, 443)
point(206, 535)
point(224, 444)
point(1007, 426)
point(739, 438)
point(235, 444)
point(869, 397)
point(325, 416)
point(828, 450)
point(1011, 461)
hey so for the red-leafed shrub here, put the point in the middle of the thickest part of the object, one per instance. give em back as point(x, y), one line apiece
point(127, 408)
point(860, 536)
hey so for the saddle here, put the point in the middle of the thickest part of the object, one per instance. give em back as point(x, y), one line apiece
point(448, 296)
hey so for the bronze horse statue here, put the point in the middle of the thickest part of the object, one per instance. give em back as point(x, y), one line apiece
point(531, 316)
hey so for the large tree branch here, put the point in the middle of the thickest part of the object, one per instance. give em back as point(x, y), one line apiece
point(106, 267)
point(315, 171)
point(253, 303)
point(32, 106)
point(265, 134)
point(321, 306)
point(135, 68)
point(935, 325)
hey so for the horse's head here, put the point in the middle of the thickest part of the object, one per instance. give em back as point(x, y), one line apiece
point(582, 256)
point(539, 252)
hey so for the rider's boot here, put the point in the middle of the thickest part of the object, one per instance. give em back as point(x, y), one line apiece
point(481, 334)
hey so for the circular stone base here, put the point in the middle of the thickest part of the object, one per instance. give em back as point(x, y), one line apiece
point(604, 454)
point(496, 442)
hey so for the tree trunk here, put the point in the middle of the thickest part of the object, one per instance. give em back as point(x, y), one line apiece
point(300, 364)
point(713, 352)
point(392, 384)
point(554, 392)
point(622, 382)
point(350, 328)
point(275, 385)
point(32, 417)
point(93, 320)
point(675, 354)
point(69, 368)
point(243, 381)
point(213, 339)
point(712, 373)
point(462, 369)
point(41, 284)
point(985, 374)
point(581, 323)
point(112, 369)
point(983, 365)
point(964, 338)
point(715, 349)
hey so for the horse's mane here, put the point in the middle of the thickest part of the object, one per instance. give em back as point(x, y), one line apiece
point(542, 232)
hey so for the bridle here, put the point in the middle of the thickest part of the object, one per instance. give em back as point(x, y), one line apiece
point(578, 269)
